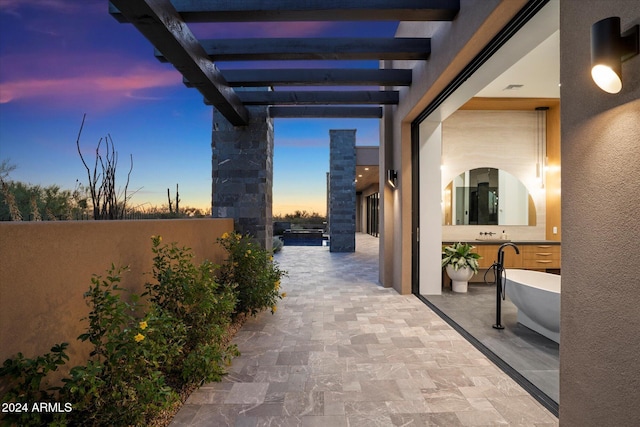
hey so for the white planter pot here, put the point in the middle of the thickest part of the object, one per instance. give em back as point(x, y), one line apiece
point(459, 278)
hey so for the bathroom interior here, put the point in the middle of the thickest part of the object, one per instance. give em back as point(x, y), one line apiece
point(500, 183)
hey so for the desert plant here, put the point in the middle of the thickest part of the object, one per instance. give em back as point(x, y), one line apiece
point(108, 202)
point(10, 200)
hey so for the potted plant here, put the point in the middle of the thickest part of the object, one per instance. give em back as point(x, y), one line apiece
point(460, 263)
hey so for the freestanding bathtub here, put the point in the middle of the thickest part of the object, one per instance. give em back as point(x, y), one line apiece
point(537, 296)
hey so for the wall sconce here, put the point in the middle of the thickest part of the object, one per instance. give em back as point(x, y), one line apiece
point(609, 49)
point(392, 178)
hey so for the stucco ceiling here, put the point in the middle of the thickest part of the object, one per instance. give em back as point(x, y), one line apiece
point(538, 72)
point(366, 176)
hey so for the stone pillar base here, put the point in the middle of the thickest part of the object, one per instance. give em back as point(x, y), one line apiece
point(242, 174)
point(342, 191)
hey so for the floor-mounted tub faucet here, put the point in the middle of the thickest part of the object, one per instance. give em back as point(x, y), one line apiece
point(498, 268)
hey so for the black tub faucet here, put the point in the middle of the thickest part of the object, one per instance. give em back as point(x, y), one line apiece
point(501, 253)
point(498, 268)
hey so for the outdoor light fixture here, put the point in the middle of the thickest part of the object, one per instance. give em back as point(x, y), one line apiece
point(392, 177)
point(609, 49)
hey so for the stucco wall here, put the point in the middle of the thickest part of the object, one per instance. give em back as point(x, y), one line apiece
point(600, 347)
point(47, 266)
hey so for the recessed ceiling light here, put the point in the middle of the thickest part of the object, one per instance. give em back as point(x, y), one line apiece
point(366, 169)
point(359, 176)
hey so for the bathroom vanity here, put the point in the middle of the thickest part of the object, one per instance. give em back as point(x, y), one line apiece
point(534, 255)
point(541, 255)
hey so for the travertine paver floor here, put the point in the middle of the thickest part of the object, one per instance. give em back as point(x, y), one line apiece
point(343, 351)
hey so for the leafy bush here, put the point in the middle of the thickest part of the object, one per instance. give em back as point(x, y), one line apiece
point(253, 271)
point(205, 363)
point(122, 383)
point(25, 379)
point(192, 298)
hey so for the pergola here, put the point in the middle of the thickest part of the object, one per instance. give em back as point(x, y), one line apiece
point(165, 24)
point(246, 101)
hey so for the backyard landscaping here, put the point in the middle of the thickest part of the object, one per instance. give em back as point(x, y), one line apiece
point(148, 351)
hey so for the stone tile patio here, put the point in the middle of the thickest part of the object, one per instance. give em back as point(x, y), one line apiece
point(343, 351)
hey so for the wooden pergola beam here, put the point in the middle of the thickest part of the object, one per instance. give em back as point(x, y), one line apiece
point(318, 77)
point(353, 112)
point(318, 97)
point(259, 49)
point(161, 24)
point(312, 10)
point(315, 77)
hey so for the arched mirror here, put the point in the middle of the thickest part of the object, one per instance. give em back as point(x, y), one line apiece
point(487, 196)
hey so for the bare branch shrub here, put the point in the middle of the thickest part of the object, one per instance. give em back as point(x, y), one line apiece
point(108, 202)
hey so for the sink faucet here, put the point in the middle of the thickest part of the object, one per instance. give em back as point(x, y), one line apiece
point(498, 268)
point(486, 233)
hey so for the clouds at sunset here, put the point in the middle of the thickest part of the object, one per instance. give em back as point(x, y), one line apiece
point(15, 7)
point(65, 80)
point(61, 54)
point(60, 59)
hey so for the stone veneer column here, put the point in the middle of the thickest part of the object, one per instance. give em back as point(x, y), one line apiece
point(342, 190)
point(242, 174)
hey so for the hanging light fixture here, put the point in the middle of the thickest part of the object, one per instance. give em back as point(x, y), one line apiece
point(541, 143)
point(609, 49)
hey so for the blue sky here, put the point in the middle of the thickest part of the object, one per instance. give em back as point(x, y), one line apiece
point(60, 59)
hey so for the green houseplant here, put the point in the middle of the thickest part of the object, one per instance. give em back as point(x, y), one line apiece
point(460, 263)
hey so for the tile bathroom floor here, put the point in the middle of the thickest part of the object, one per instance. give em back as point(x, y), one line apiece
point(532, 355)
point(343, 351)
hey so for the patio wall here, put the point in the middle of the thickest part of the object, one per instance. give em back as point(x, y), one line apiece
point(45, 268)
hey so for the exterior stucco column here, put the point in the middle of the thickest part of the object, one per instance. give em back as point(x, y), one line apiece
point(342, 190)
point(599, 316)
point(242, 174)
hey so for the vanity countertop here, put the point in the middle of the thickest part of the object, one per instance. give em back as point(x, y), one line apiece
point(499, 242)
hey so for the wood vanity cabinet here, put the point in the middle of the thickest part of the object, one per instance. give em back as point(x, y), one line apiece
point(533, 256)
point(540, 256)
point(489, 254)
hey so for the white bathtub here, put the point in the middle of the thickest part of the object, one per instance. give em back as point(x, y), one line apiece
point(537, 296)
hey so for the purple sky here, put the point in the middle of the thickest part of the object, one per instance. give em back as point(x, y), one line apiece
point(60, 59)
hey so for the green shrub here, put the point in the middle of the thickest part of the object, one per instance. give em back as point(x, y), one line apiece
point(253, 271)
point(122, 383)
point(193, 298)
point(24, 377)
point(146, 347)
point(207, 361)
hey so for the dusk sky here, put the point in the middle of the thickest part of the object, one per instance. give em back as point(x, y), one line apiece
point(60, 59)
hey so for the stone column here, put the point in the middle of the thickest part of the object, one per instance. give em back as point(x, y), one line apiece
point(242, 174)
point(342, 190)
